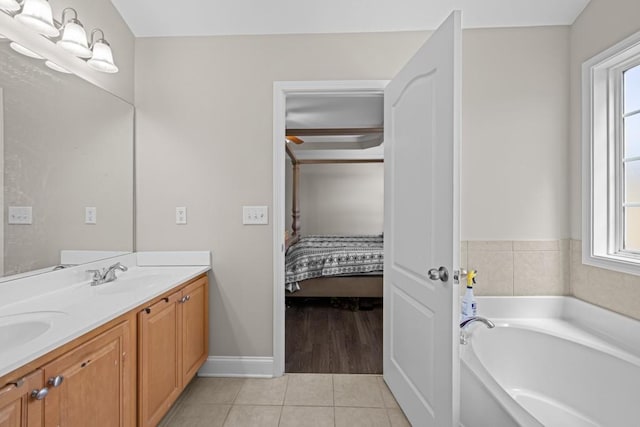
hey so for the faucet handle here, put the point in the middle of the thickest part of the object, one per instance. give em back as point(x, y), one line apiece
point(96, 276)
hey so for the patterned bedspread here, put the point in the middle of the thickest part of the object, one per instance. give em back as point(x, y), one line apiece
point(319, 256)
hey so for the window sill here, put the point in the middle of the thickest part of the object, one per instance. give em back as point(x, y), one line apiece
point(621, 264)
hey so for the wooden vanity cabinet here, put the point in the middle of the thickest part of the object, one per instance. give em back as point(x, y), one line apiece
point(93, 380)
point(195, 328)
point(95, 389)
point(158, 357)
point(18, 408)
point(172, 345)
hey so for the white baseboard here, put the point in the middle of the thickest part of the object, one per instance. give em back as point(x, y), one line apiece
point(229, 366)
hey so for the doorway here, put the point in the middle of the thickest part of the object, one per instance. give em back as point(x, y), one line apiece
point(298, 91)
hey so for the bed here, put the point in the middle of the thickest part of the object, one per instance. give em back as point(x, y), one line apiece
point(335, 266)
point(330, 266)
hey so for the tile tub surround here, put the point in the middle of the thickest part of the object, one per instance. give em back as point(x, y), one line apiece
point(548, 267)
point(83, 307)
point(295, 400)
point(518, 267)
point(615, 291)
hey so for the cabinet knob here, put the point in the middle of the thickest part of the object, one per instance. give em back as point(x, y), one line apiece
point(56, 381)
point(40, 394)
point(183, 299)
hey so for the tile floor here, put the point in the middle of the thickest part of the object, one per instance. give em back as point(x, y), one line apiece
point(293, 400)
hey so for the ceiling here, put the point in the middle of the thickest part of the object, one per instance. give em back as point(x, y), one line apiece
point(336, 125)
point(157, 18)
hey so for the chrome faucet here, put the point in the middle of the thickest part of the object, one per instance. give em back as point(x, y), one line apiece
point(463, 326)
point(106, 275)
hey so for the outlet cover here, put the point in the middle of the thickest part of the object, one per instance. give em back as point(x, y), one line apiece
point(90, 215)
point(181, 215)
point(20, 215)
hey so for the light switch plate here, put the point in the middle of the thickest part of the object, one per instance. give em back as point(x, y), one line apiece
point(181, 215)
point(255, 215)
point(90, 215)
point(20, 215)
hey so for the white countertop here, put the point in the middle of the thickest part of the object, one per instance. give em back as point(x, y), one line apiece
point(41, 313)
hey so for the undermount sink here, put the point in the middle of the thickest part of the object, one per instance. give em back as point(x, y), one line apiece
point(17, 329)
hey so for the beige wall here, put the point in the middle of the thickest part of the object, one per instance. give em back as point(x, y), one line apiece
point(601, 25)
point(340, 199)
point(204, 140)
point(515, 115)
point(204, 130)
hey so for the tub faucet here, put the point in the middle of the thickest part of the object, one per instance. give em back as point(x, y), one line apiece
point(467, 322)
point(106, 275)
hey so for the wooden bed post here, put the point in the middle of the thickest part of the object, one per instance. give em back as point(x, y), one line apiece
point(295, 202)
point(295, 163)
point(295, 199)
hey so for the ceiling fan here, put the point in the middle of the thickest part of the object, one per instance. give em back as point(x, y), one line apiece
point(294, 139)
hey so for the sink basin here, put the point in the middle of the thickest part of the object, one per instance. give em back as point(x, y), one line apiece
point(18, 329)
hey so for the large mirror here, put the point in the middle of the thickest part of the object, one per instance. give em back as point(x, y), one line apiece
point(67, 168)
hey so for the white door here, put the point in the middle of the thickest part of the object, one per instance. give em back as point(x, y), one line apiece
point(421, 158)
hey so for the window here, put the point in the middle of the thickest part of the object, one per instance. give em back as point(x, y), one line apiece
point(611, 158)
point(630, 160)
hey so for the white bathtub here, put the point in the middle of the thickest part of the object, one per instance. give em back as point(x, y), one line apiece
point(550, 361)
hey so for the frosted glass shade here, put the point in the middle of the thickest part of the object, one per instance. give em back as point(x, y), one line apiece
point(56, 67)
point(10, 5)
point(37, 15)
point(24, 51)
point(102, 58)
point(74, 39)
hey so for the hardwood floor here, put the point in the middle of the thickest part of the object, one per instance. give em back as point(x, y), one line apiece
point(324, 335)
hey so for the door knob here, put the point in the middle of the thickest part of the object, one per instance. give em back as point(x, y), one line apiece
point(439, 274)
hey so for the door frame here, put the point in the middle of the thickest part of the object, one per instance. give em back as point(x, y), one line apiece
point(280, 91)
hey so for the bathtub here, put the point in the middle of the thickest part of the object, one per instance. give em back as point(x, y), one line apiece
point(550, 361)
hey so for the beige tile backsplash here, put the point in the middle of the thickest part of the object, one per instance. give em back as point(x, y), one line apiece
point(508, 268)
point(615, 291)
point(548, 267)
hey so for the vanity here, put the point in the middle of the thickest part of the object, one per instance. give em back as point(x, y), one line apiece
point(76, 347)
point(114, 354)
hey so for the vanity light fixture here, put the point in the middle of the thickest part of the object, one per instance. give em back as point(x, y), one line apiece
point(10, 5)
point(56, 67)
point(73, 38)
point(37, 15)
point(102, 58)
point(24, 51)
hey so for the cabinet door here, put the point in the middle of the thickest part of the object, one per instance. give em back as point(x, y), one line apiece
point(159, 359)
point(195, 327)
point(17, 407)
point(94, 390)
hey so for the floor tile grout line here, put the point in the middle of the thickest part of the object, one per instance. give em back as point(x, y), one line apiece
point(333, 391)
point(226, 416)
